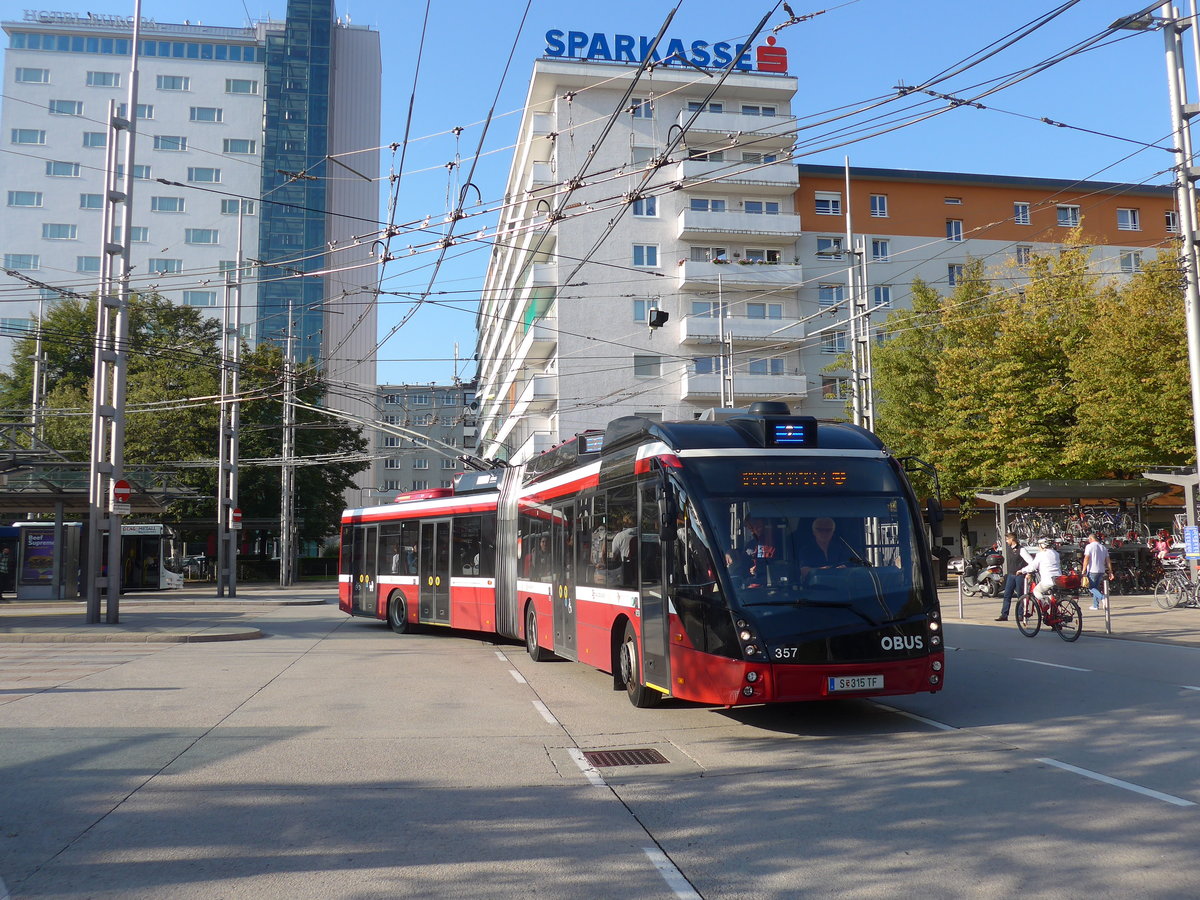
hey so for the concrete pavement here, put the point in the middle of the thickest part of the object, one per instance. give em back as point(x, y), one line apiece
point(191, 615)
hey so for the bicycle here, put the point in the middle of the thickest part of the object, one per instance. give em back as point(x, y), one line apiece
point(1175, 588)
point(1060, 613)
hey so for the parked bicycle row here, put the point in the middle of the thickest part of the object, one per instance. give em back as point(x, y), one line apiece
point(1074, 524)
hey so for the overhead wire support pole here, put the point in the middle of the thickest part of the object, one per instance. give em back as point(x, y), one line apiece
point(231, 361)
point(110, 362)
point(287, 477)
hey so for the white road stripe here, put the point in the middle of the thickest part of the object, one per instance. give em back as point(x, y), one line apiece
point(545, 711)
point(901, 712)
point(1116, 782)
point(1038, 662)
point(501, 656)
point(1188, 687)
point(590, 772)
point(671, 875)
point(518, 676)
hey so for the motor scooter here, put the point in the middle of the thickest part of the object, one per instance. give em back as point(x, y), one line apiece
point(983, 573)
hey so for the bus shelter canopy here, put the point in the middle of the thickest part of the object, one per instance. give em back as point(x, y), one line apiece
point(1098, 489)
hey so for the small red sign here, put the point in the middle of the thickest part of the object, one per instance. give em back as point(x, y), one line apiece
point(120, 491)
point(236, 516)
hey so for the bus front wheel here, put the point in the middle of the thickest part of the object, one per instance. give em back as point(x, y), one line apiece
point(639, 695)
point(398, 614)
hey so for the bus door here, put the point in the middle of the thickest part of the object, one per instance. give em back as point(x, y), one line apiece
point(656, 660)
point(562, 583)
point(363, 569)
point(434, 571)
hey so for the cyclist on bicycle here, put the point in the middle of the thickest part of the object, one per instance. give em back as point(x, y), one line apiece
point(1047, 565)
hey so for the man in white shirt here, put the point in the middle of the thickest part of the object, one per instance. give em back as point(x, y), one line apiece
point(1047, 565)
point(1097, 564)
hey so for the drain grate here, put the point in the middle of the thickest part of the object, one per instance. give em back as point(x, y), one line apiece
point(607, 758)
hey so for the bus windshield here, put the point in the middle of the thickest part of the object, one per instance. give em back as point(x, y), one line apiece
point(822, 545)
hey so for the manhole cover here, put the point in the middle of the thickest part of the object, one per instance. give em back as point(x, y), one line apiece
point(608, 758)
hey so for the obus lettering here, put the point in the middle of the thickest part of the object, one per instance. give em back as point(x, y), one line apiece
point(906, 642)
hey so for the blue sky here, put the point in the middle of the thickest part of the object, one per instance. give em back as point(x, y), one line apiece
point(1114, 95)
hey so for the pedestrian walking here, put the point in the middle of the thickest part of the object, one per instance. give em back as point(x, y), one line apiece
point(1097, 568)
point(1015, 556)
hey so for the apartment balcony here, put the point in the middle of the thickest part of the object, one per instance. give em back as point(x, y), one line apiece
point(695, 225)
point(543, 275)
point(747, 388)
point(751, 276)
point(539, 342)
point(540, 177)
point(699, 330)
point(759, 133)
point(540, 394)
point(774, 177)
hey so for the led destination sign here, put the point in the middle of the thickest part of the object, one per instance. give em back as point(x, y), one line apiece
point(702, 54)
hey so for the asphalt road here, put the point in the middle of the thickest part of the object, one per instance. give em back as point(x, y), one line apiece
point(331, 758)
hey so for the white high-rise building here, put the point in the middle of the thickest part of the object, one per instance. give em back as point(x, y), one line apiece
point(235, 132)
point(565, 343)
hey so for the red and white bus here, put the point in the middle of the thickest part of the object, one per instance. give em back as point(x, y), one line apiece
point(758, 558)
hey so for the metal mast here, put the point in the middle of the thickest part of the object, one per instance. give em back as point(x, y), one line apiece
point(228, 529)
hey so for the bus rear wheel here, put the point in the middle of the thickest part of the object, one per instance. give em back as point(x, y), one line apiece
point(398, 614)
point(536, 651)
point(639, 695)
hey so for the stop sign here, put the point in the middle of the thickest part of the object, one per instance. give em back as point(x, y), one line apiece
point(120, 491)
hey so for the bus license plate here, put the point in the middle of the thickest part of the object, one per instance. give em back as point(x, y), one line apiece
point(855, 683)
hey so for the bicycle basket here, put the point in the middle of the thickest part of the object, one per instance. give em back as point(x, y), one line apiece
point(1070, 582)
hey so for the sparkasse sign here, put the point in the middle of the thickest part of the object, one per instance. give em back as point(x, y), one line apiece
point(627, 48)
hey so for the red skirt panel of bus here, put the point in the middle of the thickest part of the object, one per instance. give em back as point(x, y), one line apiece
point(473, 605)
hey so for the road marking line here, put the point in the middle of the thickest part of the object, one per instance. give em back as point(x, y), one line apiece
point(518, 676)
point(1116, 782)
point(1188, 687)
point(590, 772)
point(545, 711)
point(671, 874)
point(1038, 662)
point(500, 656)
point(902, 712)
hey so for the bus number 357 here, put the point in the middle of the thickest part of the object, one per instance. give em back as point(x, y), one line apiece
point(785, 652)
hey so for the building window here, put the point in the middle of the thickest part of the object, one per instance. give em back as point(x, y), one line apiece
point(641, 309)
point(697, 106)
point(828, 204)
point(641, 108)
point(239, 145)
point(173, 83)
point(28, 261)
point(830, 294)
point(138, 234)
point(89, 265)
point(200, 236)
point(829, 247)
point(708, 309)
point(420, 484)
point(954, 274)
point(203, 174)
point(1068, 216)
point(954, 229)
point(1024, 254)
point(647, 207)
point(95, 139)
point(391, 441)
point(954, 201)
point(165, 266)
point(207, 114)
point(25, 198)
point(646, 366)
point(762, 207)
point(645, 255)
point(32, 76)
point(1129, 220)
point(752, 110)
point(140, 172)
point(1172, 221)
point(771, 257)
point(1021, 213)
point(699, 155)
point(449, 464)
point(883, 296)
point(54, 231)
point(28, 136)
point(834, 387)
point(390, 485)
point(104, 79)
point(420, 400)
point(833, 342)
point(709, 365)
point(59, 169)
point(706, 204)
point(709, 254)
point(144, 110)
point(240, 86)
point(1131, 261)
point(170, 142)
point(749, 156)
point(167, 204)
point(879, 209)
point(419, 463)
point(881, 250)
point(770, 366)
point(394, 463)
point(66, 107)
point(764, 310)
point(230, 207)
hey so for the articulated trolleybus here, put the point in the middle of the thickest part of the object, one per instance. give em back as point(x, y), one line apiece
point(759, 558)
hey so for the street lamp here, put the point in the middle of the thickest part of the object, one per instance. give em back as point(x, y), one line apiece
point(1185, 189)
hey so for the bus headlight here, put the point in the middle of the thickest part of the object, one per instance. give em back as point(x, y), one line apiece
point(747, 691)
point(752, 677)
point(934, 626)
point(746, 635)
point(937, 665)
